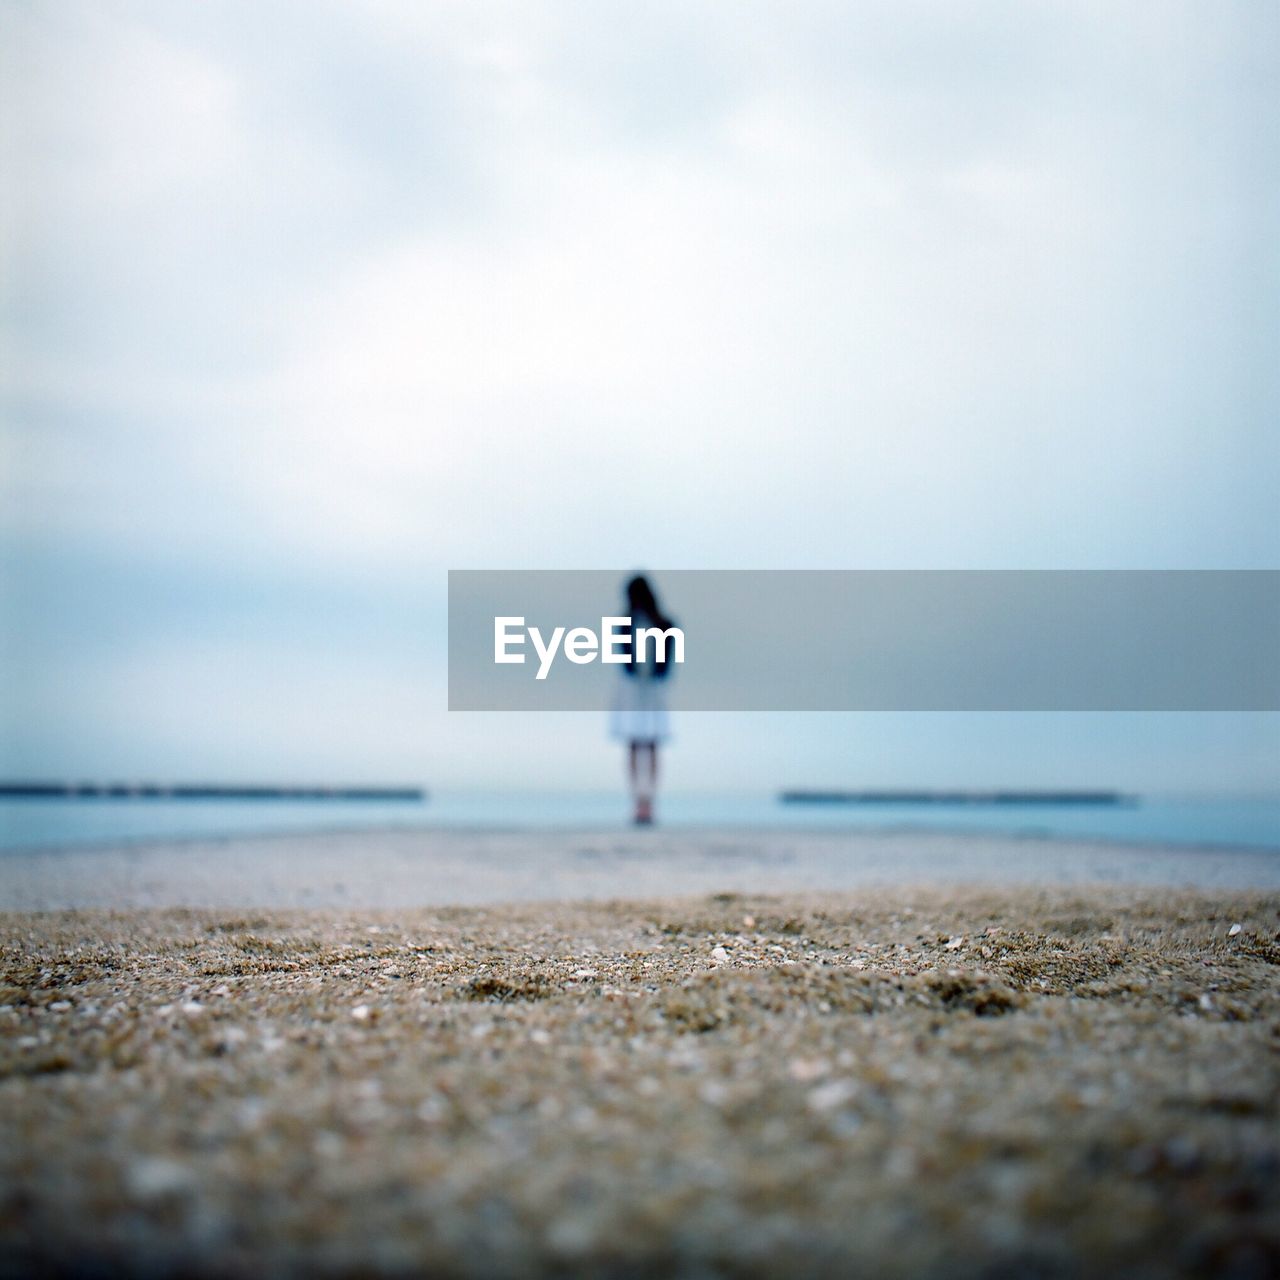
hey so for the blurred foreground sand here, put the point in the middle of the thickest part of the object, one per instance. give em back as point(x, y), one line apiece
point(438, 867)
point(1056, 1081)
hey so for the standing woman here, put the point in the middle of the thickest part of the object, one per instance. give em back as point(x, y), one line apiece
point(639, 717)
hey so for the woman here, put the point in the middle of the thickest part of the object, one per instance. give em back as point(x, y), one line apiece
point(639, 716)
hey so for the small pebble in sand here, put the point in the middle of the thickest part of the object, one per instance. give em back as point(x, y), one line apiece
point(719, 954)
point(328, 1146)
point(231, 1038)
point(1235, 928)
point(748, 922)
point(827, 1097)
point(360, 1013)
point(154, 1178)
point(806, 1070)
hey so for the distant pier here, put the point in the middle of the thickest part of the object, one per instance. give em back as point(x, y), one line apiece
point(204, 791)
point(982, 798)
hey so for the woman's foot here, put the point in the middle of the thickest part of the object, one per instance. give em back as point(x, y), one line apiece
point(644, 812)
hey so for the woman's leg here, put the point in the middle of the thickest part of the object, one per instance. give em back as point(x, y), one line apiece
point(639, 773)
point(647, 779)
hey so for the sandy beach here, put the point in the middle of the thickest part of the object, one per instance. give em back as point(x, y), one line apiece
point(1047, 1076)
point(426, 867)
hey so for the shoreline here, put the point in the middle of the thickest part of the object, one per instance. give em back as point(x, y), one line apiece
point(690, 830)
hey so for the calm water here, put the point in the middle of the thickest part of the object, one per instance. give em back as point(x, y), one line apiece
point(1243, 823)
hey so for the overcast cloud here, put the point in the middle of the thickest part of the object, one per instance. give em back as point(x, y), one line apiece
point(304, 304)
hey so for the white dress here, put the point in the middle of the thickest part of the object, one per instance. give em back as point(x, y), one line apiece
point(639, 712)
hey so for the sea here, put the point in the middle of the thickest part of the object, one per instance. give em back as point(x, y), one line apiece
point(1243, 822)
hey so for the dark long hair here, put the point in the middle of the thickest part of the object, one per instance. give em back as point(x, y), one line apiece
point(641, 600)
point(643, 603)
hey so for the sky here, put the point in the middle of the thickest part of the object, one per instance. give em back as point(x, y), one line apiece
point(302, 305)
